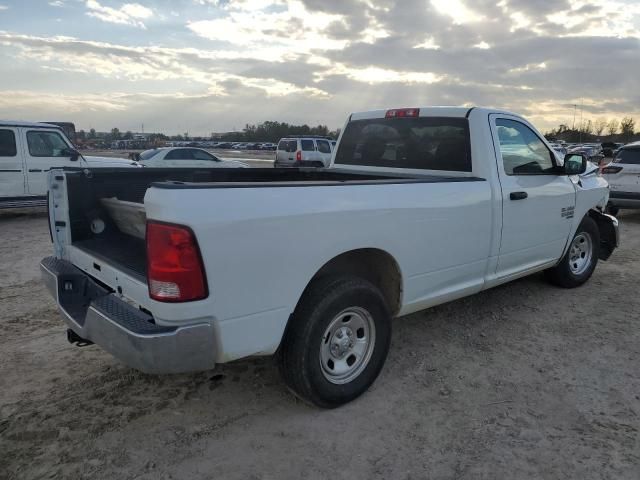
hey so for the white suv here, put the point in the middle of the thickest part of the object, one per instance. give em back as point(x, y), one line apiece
point(303, 152)
point(623, 175)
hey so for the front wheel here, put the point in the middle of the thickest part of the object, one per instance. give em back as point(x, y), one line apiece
point(337, 341)
point(578, 264)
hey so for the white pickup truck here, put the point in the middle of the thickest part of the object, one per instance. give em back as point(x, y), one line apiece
point(177, 270)
point(28, 151)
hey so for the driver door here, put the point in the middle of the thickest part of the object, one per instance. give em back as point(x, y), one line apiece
point(537, 201)
point(44, 150)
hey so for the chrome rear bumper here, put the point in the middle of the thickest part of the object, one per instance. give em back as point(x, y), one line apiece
point(129, 334)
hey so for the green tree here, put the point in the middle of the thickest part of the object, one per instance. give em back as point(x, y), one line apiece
point(92, 133)
point(612, 126)
point(115, 134)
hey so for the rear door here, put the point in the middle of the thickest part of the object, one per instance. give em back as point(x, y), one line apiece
point(623, 173)
point(179, 157)
point(12, 176)
point(43, 150)
point(308, 147)
point(537, 202)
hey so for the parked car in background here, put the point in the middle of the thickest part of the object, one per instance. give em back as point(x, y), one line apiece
point(420, 207)
point(185, 157)
point(28, 151)
point(623, 175)
point(593, 153)
point(609, 149)
point(303, 151)
point(557, 147)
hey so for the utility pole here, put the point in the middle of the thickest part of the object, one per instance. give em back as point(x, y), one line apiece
point(581, 126)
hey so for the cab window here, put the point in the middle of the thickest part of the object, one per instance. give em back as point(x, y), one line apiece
point(426, 143)
point(7, 143)
point(523, 153)
point(46, 144)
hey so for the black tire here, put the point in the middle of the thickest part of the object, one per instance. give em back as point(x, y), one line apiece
point(563, 274)
point(299, 356)
point(612, 210)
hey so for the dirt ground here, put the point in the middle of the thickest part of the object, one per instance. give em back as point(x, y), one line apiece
point(522, 381)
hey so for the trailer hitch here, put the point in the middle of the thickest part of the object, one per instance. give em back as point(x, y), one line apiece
point(77, 340)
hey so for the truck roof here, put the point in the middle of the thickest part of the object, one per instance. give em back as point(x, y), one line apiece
point(433, 111)
point(19, 123)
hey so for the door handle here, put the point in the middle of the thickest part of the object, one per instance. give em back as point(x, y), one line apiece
point(518, 195)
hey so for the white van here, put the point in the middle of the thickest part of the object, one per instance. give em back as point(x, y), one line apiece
point(303, 152)
point(28, 151)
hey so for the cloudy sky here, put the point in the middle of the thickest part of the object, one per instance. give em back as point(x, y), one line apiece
point(213, 65)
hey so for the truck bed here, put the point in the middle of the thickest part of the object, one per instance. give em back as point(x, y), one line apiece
point(111, 195)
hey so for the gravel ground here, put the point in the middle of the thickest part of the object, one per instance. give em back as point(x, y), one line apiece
point(522, 381)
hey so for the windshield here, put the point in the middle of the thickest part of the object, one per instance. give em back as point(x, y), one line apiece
point(147, 154)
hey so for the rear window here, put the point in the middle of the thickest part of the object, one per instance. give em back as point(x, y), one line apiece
point(7, 143)
point(308, 145)
point(288, 145)
point(628, 155)
point(417, 143)
point(323, 146)
point(147, 154)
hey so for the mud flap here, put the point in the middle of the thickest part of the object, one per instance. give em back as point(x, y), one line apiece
point(609, 235)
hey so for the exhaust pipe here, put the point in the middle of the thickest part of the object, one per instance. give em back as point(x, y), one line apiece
point(77, 340)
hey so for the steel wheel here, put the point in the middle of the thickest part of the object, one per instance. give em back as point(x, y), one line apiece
point(580, 253)
point(347, 345)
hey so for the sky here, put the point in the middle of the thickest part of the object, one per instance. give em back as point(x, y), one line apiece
point(202, 66)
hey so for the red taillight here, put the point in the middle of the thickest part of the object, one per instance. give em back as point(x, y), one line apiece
point(610, 169)
point(403, 113)
point(174, 267)
point(298, 156)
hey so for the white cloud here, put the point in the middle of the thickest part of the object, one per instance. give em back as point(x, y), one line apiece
point(482, 45)
point(57, 3)
point(270, 34)
point(3, 7)
point(128, 14)
point(428, 44)
point(457, 10)
point(600, 18)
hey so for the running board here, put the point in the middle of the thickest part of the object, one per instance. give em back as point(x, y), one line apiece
point(22, 202)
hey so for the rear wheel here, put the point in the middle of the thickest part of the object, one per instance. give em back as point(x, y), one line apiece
point(337, 341)
point(578, 264)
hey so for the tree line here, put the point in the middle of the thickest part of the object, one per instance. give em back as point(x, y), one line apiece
point(269, 131)
point(612, 130)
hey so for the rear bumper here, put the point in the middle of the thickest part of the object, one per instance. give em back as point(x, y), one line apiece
point(126, 332)
point(297, 164)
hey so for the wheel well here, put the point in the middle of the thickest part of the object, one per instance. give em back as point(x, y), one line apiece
point(373, 265)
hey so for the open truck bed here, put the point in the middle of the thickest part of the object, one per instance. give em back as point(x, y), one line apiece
point(107, 214)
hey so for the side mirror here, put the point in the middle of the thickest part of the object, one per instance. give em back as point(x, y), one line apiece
point(72, 153)
point(575, 164)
